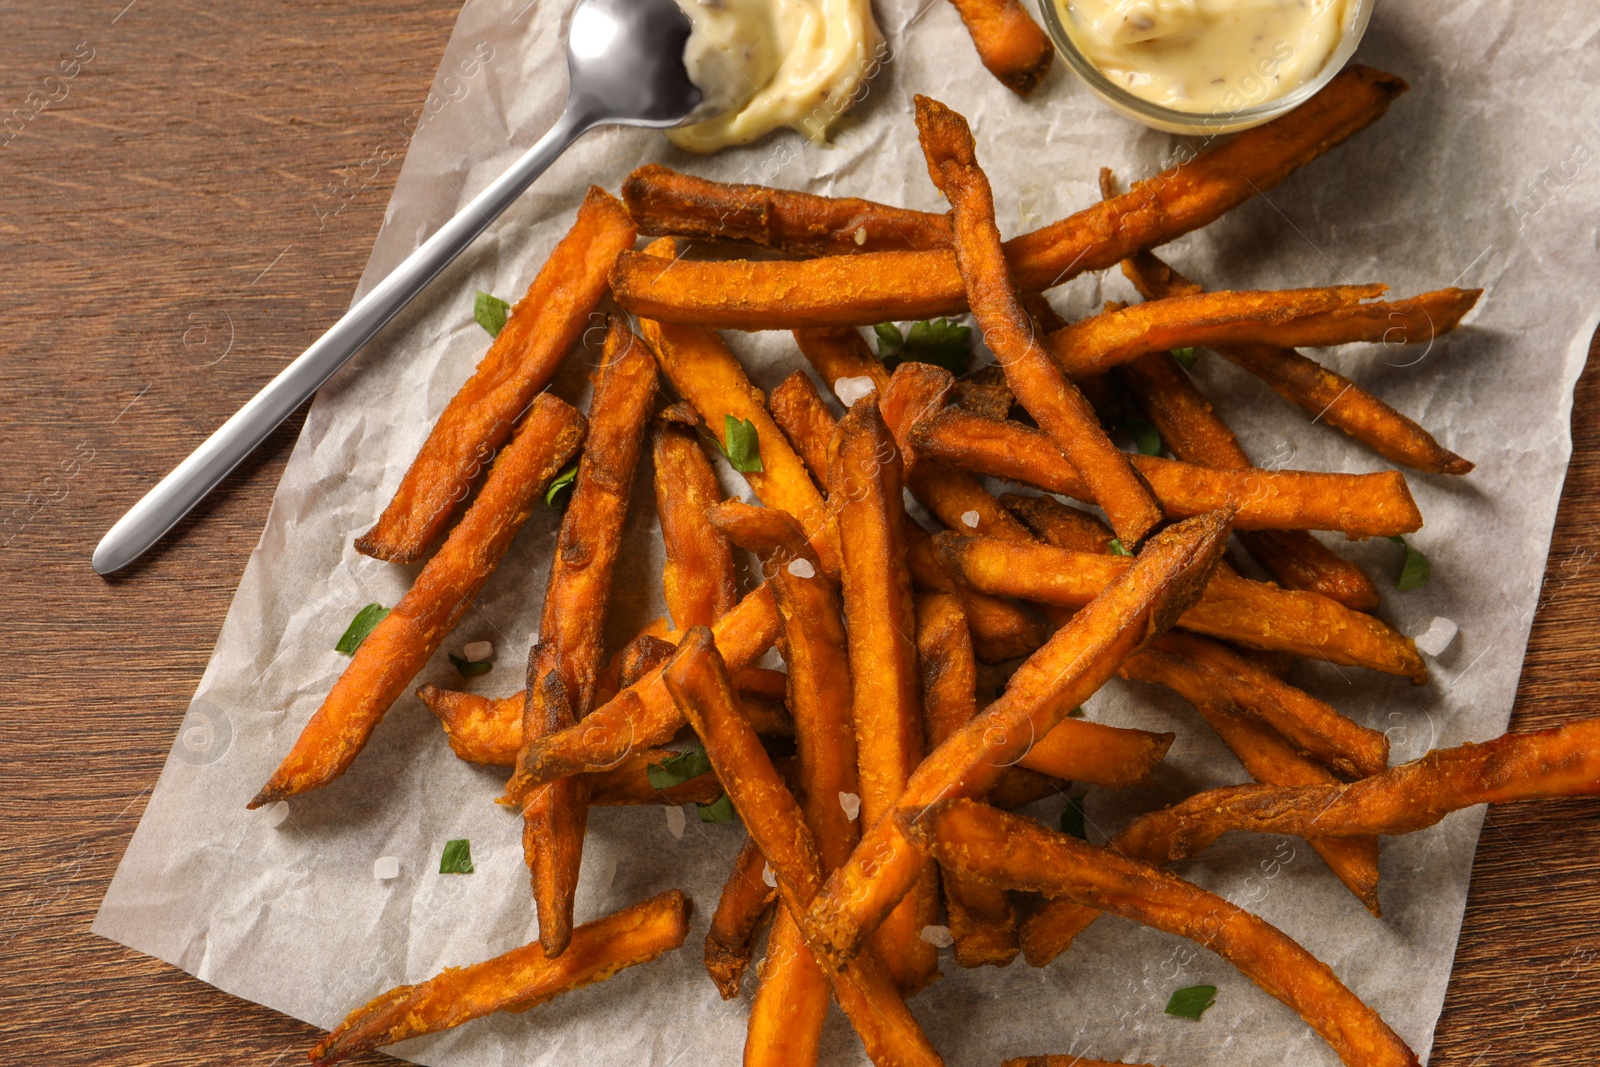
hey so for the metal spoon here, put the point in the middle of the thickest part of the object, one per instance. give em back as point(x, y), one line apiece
point(625, 66)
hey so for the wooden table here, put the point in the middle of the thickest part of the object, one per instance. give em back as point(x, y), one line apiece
point(181, 223)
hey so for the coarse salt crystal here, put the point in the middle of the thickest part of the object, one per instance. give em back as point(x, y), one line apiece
point(849, 390)
point(274, 814)
point(970, 519)
point(1437, 637)
point(861, 235)
point(477, 651)
point(385, 868)
point(851, 804)
point(769, 876)
point(938, 936)
point(675, 820)
point(802, 568)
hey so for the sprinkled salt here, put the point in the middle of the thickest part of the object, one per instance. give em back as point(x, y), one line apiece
point(1437, 637)
point(768, 876)
point(477, 651)
point(938, 936)
point(851, 805)
point(970, 519)
point(675, 820)
point(849, 390)
point(274, 814)
point(802, 568)
point(861, 235)
point(385, 868)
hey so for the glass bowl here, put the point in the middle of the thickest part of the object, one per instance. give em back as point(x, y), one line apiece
point(1216, 121)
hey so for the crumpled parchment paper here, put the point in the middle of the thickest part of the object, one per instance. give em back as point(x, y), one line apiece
point(1482, 175)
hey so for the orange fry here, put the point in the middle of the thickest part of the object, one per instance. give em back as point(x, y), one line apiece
point(876, 287)
point(1358, 505)
point(666, 203)
point(743, 908)
point(538, 333)
point(1055, 523)
point(1011, 45)
point(1064, 1061)
point(698, 578)
point(402, 643)
point(516, 981)
point(1039, 386)
point(699, 684)
point(1167, 577)
point(1020, 854)
point(1311, 317)
point(1232, 608)
point(1326, 396)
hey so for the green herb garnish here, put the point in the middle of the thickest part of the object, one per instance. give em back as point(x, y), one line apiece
point(692, 762)
point(1072, 820)
point(1185, 356)
point(1415, 571)
point(719, 810)
point(562, 483)
point(469, 669)
point(941, 342)
point(1145, 436)
point(1192, 1001)
point(366, 620)
point(490, 311)
point(741, 445)
point(457, 858)
point(1118, 548)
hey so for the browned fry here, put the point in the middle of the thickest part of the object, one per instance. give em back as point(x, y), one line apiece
point(887, 700)
point(516, 981)
point(743, 909)
point(1332, 316)
point(1064, 1061)
point(698, 577)
point(1011, 45)
point(666, 203)
point(1039, 385)
point(629, 784)
point(1326, 396)
point(859, 290)
point(1357, 505)
point(699, 684)
point(1167, 577)
point(1195, 434)
point(402, 643)
point(1560, 762)
point(710, 377)
point(981, 918)
point(538, 333)
point(805, 420)
point(791, 1003)
point(1113, 757)
point(1055, 523)
point(1233, 608)
point(1020, 854)
point(762, 682)
point(1000, 629)
point(985, 391)
point(1299, 718)
point(555, 814)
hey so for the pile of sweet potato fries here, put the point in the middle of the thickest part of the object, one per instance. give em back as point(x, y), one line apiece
point(872, 779)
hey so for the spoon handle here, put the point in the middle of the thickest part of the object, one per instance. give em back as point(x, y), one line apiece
point(173, 496)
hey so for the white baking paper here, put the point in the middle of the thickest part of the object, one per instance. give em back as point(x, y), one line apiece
point(1482, 175)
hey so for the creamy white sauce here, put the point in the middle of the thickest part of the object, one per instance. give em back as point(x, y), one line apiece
point(1207, 56)
point(774, 63)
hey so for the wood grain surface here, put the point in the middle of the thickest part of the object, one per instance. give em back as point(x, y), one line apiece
point(189, 211)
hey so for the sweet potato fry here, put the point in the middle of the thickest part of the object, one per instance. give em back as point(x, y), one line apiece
point(1064, 1061)
point(666, 203)
point(887, 700)
point(698, 578)
point(1194, 433)
point(894, 285)
point(628, 784)
point(1559, 762)
point(805, 420)
point(1019, 853)
point(985, 392)
point(981, 918)
point(1049, 397)
point(1055, 523)
point(1010, 44)
point(516, 981)
point(1000, 629)
point(537, 335)
point(1358, 505)
point(1232, 608)
point(743, 909)
point(698, 683)
point(402, 643)
point(554, 814)
point(710, 377)
point(1112, 757)
point(1289, 317)
point(1324, 395)
point(1167, 577)
point(791, 1003)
